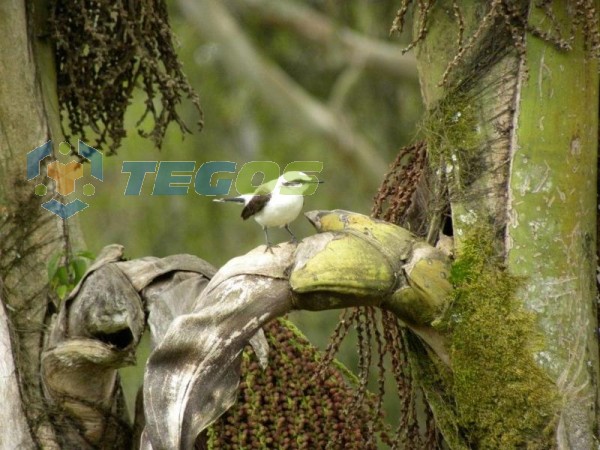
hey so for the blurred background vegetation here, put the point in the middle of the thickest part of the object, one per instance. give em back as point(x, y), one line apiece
point(280, 80)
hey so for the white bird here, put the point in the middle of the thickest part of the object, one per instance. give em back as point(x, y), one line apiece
point(276, 203)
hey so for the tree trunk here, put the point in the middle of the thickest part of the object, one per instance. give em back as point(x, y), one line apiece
point(519, 126)
point(29, 117)
point(552, 217)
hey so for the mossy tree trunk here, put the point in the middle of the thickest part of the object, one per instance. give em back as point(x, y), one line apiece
point(514, 128)
point(29, 117)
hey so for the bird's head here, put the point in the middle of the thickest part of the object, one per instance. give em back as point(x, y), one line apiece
point(297, 183)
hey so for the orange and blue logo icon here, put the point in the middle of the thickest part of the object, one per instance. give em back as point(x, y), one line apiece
point(65, 176)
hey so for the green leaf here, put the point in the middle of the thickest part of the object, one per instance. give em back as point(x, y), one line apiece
point(53, 265)
point(62, 275)
point(79, 266)
point(64, 278)
point(62, 291)
point(86, 254)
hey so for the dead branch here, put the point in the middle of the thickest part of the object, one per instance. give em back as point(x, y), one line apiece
point(192, 376)
point(356, 48)
point(96, 332)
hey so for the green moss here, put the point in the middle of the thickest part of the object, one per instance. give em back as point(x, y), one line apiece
point(502, 398)
point(454, 139)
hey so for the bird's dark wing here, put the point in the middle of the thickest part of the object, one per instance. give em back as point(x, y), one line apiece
point(255, 205)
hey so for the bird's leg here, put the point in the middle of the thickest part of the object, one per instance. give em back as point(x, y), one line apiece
point(294, 240)
point(269, 245)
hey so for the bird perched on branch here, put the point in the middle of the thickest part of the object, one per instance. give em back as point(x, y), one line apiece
point(276, 203)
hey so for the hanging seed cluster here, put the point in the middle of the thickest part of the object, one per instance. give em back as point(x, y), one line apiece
point(511, 15)
point(400, 183)
point(104, 51)
point(287, 406)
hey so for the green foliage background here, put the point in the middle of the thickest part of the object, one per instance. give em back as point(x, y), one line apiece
point(240, 127)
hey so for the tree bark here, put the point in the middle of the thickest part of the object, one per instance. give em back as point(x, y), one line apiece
point(535, 121)
point(552, 218)
point(12, 415)
point(29, 117)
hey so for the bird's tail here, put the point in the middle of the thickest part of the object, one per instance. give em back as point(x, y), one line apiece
point(229, 199)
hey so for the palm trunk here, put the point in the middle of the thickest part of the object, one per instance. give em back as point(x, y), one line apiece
point(552, 223)
point(518, 121)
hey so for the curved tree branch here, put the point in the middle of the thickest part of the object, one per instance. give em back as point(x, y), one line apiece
point(277, 88)
point(356, 49)
point(192, 385)
point(192, 376)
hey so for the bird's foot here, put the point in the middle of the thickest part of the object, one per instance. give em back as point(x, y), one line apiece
point(293, 240)
point(270, 247)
